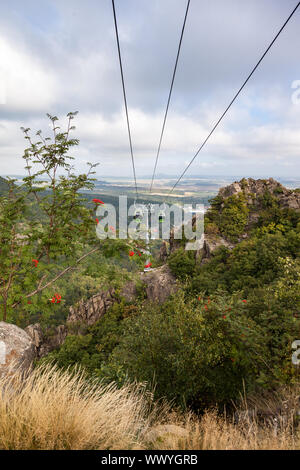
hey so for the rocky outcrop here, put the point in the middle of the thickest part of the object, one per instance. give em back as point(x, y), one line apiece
point(290, 200)
point(36, 334)
point(159, 284)
point(129, 291)
point(211, 243)
point(88, 312)
point(17, 350)
point(254, 192)
point(254, 189)
point(48, 341)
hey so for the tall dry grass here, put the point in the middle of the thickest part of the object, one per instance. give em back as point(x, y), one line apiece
point(54, 409)
point(213, 432)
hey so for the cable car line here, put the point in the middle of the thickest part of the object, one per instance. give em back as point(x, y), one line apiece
point(235, 97)
point(170, 93)
point(125, 99)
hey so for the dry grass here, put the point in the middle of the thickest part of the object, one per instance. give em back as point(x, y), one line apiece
point(51, 409)
point(215, 433)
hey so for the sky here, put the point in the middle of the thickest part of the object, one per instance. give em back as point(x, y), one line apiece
point(60, 55)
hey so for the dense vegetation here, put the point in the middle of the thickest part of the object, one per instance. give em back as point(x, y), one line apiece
point(230, 326)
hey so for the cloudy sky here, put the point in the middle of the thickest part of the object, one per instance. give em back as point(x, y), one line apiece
point(60, 55)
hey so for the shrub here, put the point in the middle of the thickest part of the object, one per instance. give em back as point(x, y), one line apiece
point(192, 351)
point(233, 217)
point(93, 348)
point(182, 263)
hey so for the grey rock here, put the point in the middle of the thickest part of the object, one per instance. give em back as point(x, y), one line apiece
point(17, 350)
point(36, 334)
point(88, 312)
point(129, 291)
point(163, 252)
point(159, 284)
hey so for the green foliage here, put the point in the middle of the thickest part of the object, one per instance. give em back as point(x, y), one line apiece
point(4, 185)
point(277, 310)
point(229, 216)
point(195, 352)
point(252, 263)
point(211, 228)
point(234, 216)
point(182, 263)
point(93, 349)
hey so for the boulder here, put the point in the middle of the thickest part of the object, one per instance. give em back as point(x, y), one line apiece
point(17, 350)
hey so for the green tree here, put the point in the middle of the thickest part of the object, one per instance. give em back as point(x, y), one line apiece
point(45, 224)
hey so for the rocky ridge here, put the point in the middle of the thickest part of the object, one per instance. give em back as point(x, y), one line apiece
point(253, 189)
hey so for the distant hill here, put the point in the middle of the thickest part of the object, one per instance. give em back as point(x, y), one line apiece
point(3, 185)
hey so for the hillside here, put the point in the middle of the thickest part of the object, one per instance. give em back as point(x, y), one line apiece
point(221, 318)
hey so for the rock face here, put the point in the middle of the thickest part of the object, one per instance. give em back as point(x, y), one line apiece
point(88, 312)
point(160, 284)
point(253, 190)
point(45, 343)
point(17, 350)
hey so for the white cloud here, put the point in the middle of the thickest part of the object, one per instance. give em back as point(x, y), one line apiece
point(29, 85)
